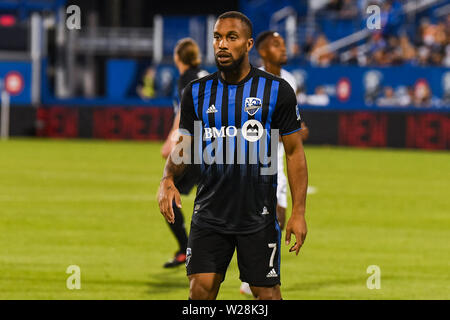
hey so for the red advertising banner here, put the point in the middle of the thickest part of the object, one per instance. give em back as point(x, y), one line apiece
point(363, 129)
point(358, 129)
point(141, 123)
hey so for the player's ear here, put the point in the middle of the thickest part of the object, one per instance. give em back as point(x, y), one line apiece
point(249, 44)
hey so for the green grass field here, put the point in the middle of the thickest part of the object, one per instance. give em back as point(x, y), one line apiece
point(93, 204)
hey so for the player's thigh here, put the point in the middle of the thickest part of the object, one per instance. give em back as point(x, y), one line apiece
point(204, 286)
point(208, 251)
point(259, 256)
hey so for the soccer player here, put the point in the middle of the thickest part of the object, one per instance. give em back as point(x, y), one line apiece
point(239, 109)
point(187, 60)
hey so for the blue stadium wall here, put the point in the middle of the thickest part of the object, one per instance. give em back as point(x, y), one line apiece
point(352, 117)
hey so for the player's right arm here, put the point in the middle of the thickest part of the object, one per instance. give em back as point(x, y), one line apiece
point(175, 168)
point(167, 192)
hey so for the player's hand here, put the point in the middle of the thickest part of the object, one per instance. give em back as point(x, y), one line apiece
point(297, 226)
point(167, 193)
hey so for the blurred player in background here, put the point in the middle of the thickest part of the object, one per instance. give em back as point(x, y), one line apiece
point(272, 50)
point(187, 60)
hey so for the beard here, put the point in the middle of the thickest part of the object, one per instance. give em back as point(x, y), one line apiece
point(233, 66)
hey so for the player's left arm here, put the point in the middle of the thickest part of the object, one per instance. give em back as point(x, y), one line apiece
point(298, 182)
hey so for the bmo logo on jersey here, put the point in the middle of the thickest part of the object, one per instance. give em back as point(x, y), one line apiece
point(252, 130)
point(250, 144)
point(209, 133)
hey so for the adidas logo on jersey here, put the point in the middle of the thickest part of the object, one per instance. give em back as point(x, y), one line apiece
point(272, 274)
point(212, 109)
point(265, 211)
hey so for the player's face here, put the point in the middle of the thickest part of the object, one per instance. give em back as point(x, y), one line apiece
point(275, 51)
point(176, 59)
point(231, 43)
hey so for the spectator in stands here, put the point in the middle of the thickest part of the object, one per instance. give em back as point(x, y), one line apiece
point(378, 58)
point(423, 56)
point(428, 32)
point(146, 90)
point(319, 98)
point(388, 100)
point(353, 60)
point(431, 45)
point(372, 86)
point(440, 34)
point(321, 53)
point(422, 94)
point(446, 59)
point(436, 57)
point(408, 51)
point(447, 26)
point(393, 51)
point(403, 96)
point(376, 42)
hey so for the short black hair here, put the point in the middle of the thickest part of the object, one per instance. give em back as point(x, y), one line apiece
point(240, 16)
point(263, 36)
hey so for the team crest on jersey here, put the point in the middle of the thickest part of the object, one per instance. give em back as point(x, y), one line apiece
point(252, 105)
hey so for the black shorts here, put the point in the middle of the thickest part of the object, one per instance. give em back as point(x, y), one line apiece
point(258, 254)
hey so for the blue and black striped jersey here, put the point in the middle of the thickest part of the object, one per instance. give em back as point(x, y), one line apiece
point(234, 127)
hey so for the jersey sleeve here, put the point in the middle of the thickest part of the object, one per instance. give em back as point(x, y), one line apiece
point(188, 115)
point(286, 116)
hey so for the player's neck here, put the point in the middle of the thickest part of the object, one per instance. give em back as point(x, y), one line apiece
point(182, 68)
point(272, 68)
point(236, 76)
